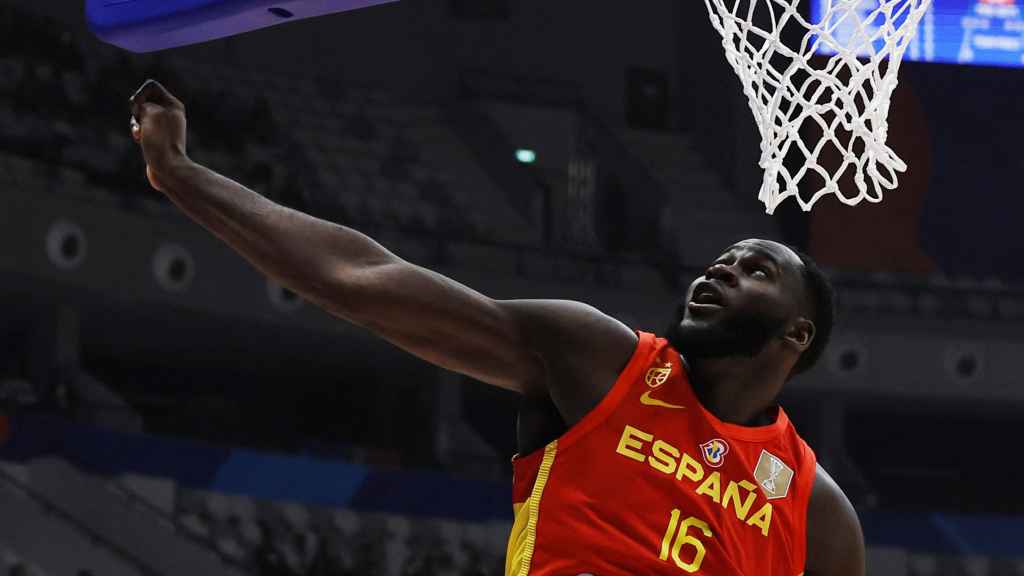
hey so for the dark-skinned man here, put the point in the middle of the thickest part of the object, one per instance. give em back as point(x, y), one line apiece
point(638, 454)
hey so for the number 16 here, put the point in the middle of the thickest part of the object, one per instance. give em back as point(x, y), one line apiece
point(680, 529)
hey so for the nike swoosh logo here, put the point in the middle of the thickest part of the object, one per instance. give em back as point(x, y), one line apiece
point(646, 400)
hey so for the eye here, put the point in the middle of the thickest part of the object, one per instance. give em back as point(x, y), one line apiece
point(758, 271)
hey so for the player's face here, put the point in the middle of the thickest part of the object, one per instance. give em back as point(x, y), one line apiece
point(744, 299)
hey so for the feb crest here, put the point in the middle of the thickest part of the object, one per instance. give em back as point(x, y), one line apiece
point(657, 376)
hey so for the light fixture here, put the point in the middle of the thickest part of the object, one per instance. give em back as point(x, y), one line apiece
point(526, 156)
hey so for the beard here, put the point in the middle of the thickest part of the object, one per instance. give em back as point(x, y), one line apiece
point(741, 335)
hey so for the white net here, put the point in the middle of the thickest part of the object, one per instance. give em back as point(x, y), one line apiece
point(840, 103)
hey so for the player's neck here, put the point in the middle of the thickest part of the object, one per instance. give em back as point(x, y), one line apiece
point(737, 390)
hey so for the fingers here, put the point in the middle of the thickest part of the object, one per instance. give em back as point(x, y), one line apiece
point(152, 92)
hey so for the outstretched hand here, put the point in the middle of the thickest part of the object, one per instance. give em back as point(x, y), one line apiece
point(158, 125)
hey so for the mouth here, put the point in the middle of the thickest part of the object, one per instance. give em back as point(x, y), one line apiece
point(706, 296)
point(696, 308)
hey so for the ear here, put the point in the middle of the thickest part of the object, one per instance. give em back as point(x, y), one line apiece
point(800, 334)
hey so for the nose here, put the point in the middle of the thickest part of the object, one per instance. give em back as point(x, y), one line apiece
point(722, 273)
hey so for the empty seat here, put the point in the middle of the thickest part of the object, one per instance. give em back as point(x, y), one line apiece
point(230, 549)
point(195, 525)
point(250, 533)
point(296, 516)
point(217, 506)
point(345, 520)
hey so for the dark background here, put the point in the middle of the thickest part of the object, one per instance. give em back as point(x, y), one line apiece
point(128, 330)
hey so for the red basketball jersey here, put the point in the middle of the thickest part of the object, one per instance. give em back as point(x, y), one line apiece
point(651, 483)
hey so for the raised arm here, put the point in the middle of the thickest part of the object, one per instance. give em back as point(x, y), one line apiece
point(522, 345)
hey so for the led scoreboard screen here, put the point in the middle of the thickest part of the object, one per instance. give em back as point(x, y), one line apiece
point(979, 32)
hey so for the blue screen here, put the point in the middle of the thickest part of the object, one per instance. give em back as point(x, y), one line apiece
point(976, 32)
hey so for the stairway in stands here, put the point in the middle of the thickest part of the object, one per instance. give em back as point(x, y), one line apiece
point(50, 505)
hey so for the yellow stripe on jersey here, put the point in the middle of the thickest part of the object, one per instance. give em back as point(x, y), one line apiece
point(524, 529)
point(517, 539)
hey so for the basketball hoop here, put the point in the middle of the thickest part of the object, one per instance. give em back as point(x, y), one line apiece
point(847, 98)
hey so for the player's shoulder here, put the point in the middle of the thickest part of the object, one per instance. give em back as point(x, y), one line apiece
point(583, 350)
point(835, 542)
point(569, 326)
point(826, 492)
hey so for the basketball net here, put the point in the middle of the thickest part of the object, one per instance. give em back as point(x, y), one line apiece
point(844, 96)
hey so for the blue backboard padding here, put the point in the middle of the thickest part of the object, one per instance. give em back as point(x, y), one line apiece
point(150, 25)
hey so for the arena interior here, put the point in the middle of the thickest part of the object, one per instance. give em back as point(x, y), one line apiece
point(165, 410)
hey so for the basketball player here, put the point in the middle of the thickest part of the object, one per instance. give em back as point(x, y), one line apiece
point(639, 455)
